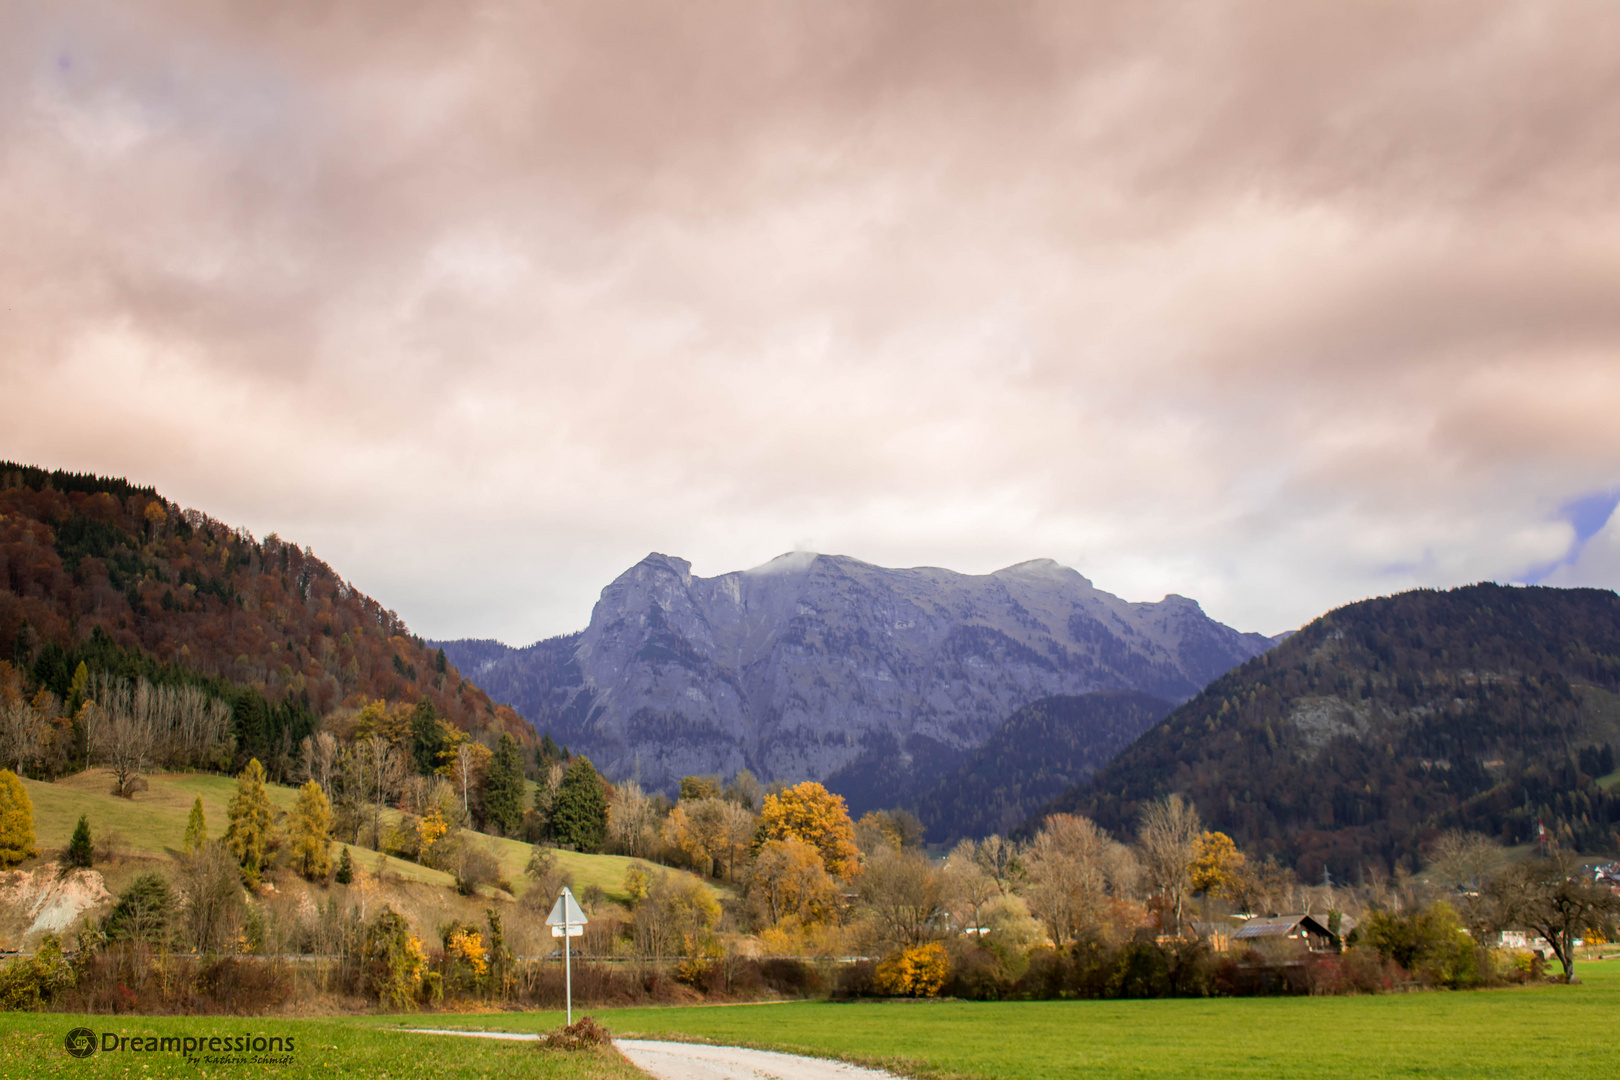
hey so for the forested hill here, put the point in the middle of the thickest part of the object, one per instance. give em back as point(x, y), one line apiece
point(103, 572)
point(1354, 741)
point(1043, 748)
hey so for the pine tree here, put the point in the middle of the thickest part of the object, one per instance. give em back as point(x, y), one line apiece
point(345, 868)
point(310, 834)
point(248, 835)
point(16, 821)
point(427, 737)
point(503, 786)
point(79, 852)
point(196, 827)
point(579, 816)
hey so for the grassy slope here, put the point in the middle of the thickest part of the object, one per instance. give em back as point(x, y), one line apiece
point(155, 820)
point(1541, 1032)
point(31, 1046)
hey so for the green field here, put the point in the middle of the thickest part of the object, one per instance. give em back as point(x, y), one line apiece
point(1540, 1032)
point(31, 1045)
point(155, 820)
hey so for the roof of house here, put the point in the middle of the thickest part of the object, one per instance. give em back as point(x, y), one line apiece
point(1280, 926)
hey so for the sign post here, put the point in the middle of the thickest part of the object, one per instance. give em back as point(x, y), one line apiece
point(567, 920)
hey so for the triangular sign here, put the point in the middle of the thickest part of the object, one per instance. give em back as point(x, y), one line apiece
point(566, 911)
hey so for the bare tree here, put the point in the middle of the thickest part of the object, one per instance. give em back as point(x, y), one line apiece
point(379, 769)
point(22, 732)
point(1168, 841)
point(968, 887)
point(1073, 869)
point(325, 754)
point(125, 733)
point(212, 883)
point(1465, 860)
point(904, 896)
point(1555, 899)
point(633, 818)
point(1000, 860)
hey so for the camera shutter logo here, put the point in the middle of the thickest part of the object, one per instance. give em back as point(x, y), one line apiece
point(80, 1042)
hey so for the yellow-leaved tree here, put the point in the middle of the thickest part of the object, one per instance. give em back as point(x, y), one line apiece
point(16, 821)
point(811, 813)
point(248, 836)
point(1218, 867)
point(310, 832)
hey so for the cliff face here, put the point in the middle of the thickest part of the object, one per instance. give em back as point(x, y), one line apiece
point(824, 667)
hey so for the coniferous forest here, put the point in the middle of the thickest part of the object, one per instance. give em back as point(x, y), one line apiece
point(1354, 743)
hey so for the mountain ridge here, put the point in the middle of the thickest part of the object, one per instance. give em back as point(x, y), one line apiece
point(810, 665)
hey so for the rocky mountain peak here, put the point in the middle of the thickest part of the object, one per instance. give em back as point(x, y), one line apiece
point(814, 666)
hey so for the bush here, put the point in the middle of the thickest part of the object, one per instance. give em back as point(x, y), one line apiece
point(920, 971)
point(475, 868)
point(31, 982)
point(392, 959)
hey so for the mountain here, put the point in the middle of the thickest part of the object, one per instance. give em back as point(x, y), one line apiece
point(1350, 744)
point(1044, 748)
point(100, 571)
point(823, 667)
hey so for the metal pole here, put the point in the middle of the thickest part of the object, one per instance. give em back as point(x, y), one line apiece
point(568, 967)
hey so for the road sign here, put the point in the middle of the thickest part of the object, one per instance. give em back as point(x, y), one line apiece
point(566, 911)
point(567, 920)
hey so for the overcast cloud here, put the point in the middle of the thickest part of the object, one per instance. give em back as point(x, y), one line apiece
point(1275, 305)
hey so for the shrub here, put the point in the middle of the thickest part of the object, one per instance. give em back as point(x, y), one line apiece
point(345, 868)
point(475, 868)
point(393, 960)
point(919, 971)
point(31, 982)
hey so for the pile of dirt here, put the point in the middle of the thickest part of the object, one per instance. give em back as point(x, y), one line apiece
point(45, 900)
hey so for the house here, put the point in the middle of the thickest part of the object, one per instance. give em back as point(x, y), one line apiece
point(1307, 930)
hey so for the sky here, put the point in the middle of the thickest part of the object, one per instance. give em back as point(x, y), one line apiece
point(1276, 305)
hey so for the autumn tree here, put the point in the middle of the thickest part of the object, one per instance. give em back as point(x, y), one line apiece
point(1168, 840)
point(811, 813)
point(250, 814)
point(504, 790)
point(1074, 871)
point(196, 827)
point(903, 896)
point(788, 879)
point(16, 821)
point(579, 817)
point(309, 832)
point(695, 788)
point(1218, 867)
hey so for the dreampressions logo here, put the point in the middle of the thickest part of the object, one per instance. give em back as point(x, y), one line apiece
point(198, 1049)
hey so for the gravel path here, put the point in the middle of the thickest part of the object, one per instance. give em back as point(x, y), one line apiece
point(693, 1061)
point(690, 1061)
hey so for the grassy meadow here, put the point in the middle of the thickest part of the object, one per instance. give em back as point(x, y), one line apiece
point(31, 1047)
point(155, 821)
point(1537, 1032)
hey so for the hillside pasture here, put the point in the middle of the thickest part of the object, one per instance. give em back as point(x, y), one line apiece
point(154, 821)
